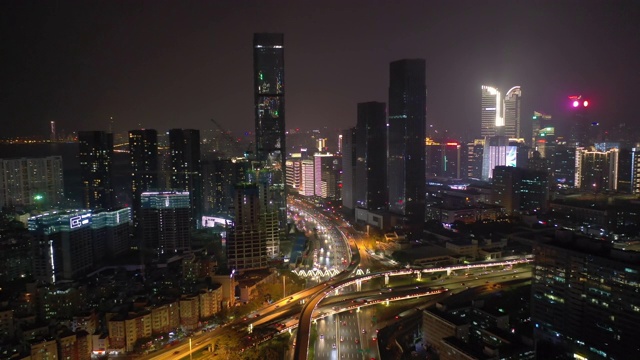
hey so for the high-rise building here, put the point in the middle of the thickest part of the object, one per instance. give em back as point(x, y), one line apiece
point(165, 218)
point(491, 113)
point(96, 165)
point(475, 154)
point(186, 168)
point(143, 150)
point(443, 159)
point(539, 121)
point(31, 182)
point(307, 178)
point(63, 248)
point(110, 232)
point(349, 161)
point(246, 238)
point(520, 190)
point(511, 113)
point(596, 170)
point(584, 296)
point(407, 133)
point(294, 168)
point(269, 86)
point(371, 159)
point(326, 175)
point(220, 176)
point(563, 166)
point(635, 170)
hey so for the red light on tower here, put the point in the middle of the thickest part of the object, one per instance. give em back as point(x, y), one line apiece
point(577, 100)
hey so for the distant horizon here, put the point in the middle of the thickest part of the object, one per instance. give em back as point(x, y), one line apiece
point(164, 66)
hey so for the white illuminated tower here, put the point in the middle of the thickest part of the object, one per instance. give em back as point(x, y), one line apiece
point(492, 118)
point(511, 113)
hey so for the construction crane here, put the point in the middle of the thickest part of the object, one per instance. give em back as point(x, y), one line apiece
point(233, 142)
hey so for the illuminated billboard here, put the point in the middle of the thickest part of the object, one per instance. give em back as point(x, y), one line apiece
point(212, 221)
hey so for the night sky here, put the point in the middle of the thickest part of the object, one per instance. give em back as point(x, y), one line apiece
point(165, 64)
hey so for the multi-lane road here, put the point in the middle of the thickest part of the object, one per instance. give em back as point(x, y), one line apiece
point(343, 323)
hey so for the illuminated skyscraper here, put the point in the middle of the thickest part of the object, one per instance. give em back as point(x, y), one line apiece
point(597, 170)
point(268, 80)
point(407, 133)
point(491, 112)
point(143, 149)
point(186, 169)
point(96, 162)
point(511, 113)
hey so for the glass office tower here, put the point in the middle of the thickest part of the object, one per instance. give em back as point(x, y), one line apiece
point(268, 76)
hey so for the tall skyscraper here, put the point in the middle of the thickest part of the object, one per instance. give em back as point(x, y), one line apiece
point(348, 169)
point(511, 113)
point(96, 163)
point(371, 160)
point(31, 182)
point(268, 80)
point(491, 112)
point(407, 133)
point(143, 149)
point(186, 172)
point(165, 219)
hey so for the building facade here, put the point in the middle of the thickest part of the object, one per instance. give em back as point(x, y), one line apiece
point(96, 167)
point(407, 133)
point(143, 151)
point(31, 182)
point(349, 161)
point(584, 297)
point(269, 90)
point(491, 111)
point(596, 170)
point(371, 156)
point(166, 221)
point(186, 168)
point(246, 238)
point(511, 111)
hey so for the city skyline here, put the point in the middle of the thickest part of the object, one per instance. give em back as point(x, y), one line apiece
point(80, 64)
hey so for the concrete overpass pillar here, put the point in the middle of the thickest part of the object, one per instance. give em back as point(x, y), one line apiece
point(448, 271)
point(358, 285)
point(386, 279)
point(419, 275)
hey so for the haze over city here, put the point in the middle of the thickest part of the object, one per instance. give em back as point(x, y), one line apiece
point(165, 64)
